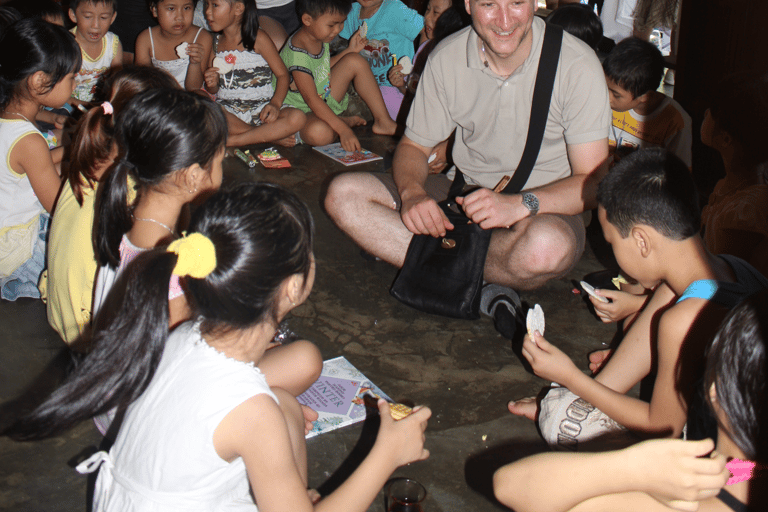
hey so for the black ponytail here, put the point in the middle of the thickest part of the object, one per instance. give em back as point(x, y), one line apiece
point(262, 235)
point(249, 28)
point(126, 352)
point(158, 133)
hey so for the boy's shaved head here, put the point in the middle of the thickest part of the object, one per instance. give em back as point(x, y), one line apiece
point(74, 3)
point(651, 187)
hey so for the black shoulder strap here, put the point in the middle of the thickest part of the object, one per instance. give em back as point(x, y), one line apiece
point(542, 96)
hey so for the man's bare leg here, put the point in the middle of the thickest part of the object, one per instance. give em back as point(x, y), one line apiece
point(363, 208)
point(532, 252)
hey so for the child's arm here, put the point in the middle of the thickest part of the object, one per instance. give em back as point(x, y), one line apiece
point(211, 77)
point(356, 45)
point(306, 85)
point(677, 473)
point(31, 156)
point(266, 48)
point(665, 414)
point(143, 51)
point(199, 55)
point(117, 60)
point(49, 117)
point(396, 77)
point(259, 432)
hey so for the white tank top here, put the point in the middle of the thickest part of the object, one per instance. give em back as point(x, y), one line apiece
point(177, 68)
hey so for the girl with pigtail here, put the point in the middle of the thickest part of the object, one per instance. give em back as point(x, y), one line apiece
point(170, 147)
point(243, 60)
point(67, 284)
point(202, 425)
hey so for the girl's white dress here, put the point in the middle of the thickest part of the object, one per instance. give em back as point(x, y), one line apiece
point(163, 458)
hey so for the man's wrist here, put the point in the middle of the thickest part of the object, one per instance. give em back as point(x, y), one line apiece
point(531, 203)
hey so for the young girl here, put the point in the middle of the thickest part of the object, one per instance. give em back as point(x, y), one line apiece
point(671, 474)
point(171, 145)
point(38, 63)
point(254, 109)
point(67, 285)
point(202, 423)
point(164, 46)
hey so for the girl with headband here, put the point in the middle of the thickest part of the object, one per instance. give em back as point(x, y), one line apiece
point(672, 474)
point(202, 426)
point(67, 284)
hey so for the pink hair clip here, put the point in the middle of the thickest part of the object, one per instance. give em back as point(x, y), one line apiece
point(740, 469)
point(107, 107)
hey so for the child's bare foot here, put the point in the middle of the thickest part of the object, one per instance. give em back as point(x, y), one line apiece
point(287, 142)
point(310, 415)
point(598, 358)
point(384, 127)
point(353, 121)
point(527, 407)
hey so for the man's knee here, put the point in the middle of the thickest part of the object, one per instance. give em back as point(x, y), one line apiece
point(345, 192)
point(550, 246)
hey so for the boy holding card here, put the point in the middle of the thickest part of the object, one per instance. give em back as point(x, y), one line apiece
point(650, 215)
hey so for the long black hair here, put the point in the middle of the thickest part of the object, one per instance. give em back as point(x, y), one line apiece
point(33, 45)
point(737, 365)
point(262, 234)
point(249, 23)
point(158, 133)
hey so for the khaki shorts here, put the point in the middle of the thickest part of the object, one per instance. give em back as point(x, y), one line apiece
point(438, 185)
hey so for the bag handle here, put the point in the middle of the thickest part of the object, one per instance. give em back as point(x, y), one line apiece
point(542, 97)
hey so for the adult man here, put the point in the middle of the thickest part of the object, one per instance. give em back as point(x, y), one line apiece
point(480, 83)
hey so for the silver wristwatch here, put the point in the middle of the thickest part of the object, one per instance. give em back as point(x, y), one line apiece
point(531, 202)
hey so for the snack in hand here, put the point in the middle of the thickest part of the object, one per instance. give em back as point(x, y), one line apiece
point(534, 321)
point(591, 290)
point(181, 50)
point(364, 29)
point(224, 66)
point(405, 62)
point(399, 411)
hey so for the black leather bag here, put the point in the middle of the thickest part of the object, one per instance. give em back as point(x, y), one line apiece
point(444, 276)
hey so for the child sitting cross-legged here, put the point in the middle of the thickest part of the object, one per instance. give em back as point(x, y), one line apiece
point(663, 475)
point(250, 80)
point(319, 82)
point(649, 213)
point(642, 116)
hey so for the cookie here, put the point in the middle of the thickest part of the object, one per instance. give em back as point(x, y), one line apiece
point(534, 321)
point(407, 65)
point(591, 290)
point(399, 411)
point(181, 50)
point(364, 30)
point(224, 66)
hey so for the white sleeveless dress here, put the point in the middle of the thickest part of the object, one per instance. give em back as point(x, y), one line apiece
point(177, 68)
point(163, 458)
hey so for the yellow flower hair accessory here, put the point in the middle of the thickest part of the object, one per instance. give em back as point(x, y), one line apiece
point(197, 256)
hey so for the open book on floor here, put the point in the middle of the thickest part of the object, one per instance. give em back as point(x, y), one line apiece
point(337, 396)
point(339, 154)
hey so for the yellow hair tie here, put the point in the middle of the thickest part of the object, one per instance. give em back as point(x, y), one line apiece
point(197, 256)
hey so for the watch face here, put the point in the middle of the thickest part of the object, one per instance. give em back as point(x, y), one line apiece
point(531, 202)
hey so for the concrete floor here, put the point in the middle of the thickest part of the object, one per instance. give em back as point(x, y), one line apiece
point(463, 370)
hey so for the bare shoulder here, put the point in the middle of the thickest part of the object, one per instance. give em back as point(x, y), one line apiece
point(263, 40)
point(204, 37)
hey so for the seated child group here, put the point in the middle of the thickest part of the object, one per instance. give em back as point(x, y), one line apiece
point(113, 148)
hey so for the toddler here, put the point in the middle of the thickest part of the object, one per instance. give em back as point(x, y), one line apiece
point(38, 64)
point(642, 116)
point(241, 75)
point(319, 82)
point(101, 48)
point(391, 30)
point(175, 44)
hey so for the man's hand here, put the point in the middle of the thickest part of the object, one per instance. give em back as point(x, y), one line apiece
point(422, 216)
point(440, 160)
point(490, 209)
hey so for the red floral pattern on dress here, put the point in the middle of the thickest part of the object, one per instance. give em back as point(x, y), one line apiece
point(230, 59)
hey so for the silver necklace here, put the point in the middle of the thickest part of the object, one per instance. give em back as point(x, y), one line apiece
point(21, 115)
point(156, 222)
point(482, 48)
